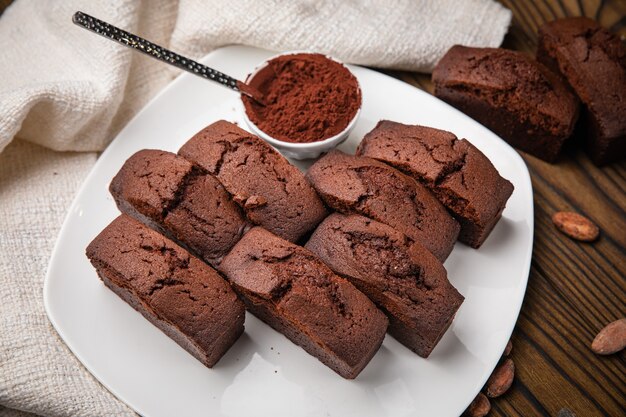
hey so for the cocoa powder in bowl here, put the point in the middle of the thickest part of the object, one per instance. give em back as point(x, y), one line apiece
point(308, 97)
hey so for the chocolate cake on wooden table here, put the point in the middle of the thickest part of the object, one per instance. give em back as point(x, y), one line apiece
point(518, 98)
point(289, 288)
point(402, 278)
point(272, 192)
point(172, 196)
point(458, 174)
point(175, 291)
point(352, 184)
point(593, 61)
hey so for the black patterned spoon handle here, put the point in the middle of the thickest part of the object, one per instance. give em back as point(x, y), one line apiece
point(162, 54)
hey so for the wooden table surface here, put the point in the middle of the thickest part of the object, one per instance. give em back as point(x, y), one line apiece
point(574, 289)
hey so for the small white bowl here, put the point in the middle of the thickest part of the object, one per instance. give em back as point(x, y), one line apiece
point(308, 150)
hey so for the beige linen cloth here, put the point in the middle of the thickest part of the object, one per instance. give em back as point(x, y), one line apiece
point(63, 89)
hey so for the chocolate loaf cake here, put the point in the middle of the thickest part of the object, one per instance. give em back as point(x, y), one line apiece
point(518, 98)
point(459, 175)
point(593, 61)
point(175, 291)
point(273, 193)
point(352, 184)
point(404, 280)
point(169, 194)
point(289, 288)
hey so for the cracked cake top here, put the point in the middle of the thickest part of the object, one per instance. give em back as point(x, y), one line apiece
point(295, 292)
point(352, 184)
point(173, 285)
point(459, 174)
point(272, 192)
point(403, 278)
point(169, 194)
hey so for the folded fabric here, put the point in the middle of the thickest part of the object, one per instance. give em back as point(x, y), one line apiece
point(66, 89)
point(69, 90)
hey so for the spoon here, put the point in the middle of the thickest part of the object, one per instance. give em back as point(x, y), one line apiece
point(164, 55)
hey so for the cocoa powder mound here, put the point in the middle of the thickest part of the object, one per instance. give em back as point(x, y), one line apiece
point(308, 98)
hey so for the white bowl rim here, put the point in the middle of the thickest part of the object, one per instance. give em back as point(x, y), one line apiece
point(298, 145)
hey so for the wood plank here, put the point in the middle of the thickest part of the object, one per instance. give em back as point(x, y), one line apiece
point(574, 289)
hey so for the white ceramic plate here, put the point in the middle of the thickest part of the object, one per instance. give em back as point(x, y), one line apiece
point(264, 374)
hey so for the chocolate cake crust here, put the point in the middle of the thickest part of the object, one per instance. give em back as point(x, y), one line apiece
point(290, 289)
point(272, 192)
point(403, 279)
point(175, 291)
point(518, 98)
point(169, 194)
point(593, 61)
point(359, 185)
point(459, 175)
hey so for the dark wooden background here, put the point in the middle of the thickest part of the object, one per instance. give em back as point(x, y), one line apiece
point(574, 289)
